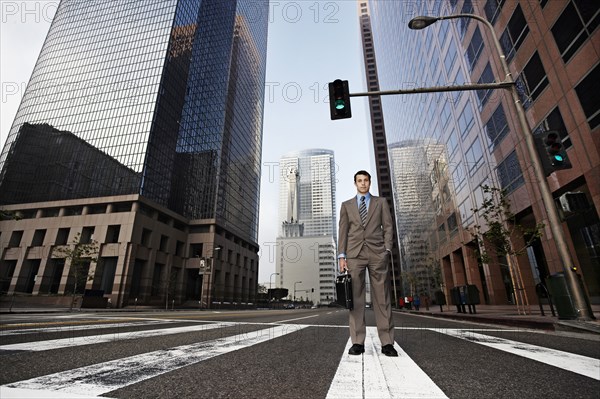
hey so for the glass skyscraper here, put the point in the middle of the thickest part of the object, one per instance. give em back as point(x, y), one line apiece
point(549, 48)
point(161, 99)
point(170, 92)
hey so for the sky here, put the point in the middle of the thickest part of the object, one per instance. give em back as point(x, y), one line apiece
point(310, 44)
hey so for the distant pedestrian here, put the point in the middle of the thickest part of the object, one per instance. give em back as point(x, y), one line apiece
point(417, 302)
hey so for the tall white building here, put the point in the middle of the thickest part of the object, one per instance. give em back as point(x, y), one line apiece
point(307, 225)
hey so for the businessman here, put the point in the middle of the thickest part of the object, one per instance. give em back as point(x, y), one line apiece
point(365, 242)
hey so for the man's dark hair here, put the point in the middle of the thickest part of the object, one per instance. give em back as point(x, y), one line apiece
point(362, 172)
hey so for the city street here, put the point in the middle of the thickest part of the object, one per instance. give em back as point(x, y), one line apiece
point(285, 354)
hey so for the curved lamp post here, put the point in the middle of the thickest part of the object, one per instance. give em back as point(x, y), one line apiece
point(422, 22)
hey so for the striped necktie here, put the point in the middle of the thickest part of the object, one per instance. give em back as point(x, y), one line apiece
point(362, 209)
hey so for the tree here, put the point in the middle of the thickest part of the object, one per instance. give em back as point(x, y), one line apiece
point(496, 239)
point(10, 215)
point(79, 256)
point(262, 288)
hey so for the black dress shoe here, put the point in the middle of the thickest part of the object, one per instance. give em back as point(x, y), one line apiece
point(389, 350)
point(356, 349)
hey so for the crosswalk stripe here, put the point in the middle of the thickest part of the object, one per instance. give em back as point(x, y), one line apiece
point(98, 379)
point(26, 331)
point(579, 364)
point(18, 393)
point(374, 375)
point(38, 346)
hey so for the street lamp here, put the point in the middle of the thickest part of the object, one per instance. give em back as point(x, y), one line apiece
point(422, 22)
point(210, 268)
point(297, 282)
point(271, 283)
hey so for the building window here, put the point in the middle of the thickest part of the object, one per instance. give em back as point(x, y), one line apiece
point(492, 9)
point(487, 76)
point(474, 49)
point(463, 23)
point(112, 233)
point(62, 236)
point(452, 223)
point(452, 143)
point(497, 127)
point(195, 250)
point(38, 238)
point(515, 33)
point(466, 215)
point(554, 121)
point(574, 26)
point(532, 81)
point(509, 173)
point(474, 156)
point(458, 177)
point(15, 239)
point(465, 120)
point(87, 235)
point(446, 113)
point(449, 59)
point(587, 91)
point(146, 236)
point(109, 267)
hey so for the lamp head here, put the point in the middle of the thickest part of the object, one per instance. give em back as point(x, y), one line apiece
point(422, 22)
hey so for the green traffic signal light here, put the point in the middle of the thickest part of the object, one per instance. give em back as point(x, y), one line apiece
point(551, 151)
point(339, 99)
point(340, 104)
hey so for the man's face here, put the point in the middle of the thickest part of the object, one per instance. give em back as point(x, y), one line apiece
point(363, 184)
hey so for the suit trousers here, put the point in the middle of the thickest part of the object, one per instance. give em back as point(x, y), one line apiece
point(377, 264)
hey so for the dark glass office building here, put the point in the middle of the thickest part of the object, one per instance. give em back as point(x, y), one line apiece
point(445, 148)
point(162, 99)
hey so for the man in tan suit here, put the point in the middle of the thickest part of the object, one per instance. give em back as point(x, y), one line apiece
point(365, 242)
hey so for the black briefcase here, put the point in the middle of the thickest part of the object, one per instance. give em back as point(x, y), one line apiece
point(343, 289)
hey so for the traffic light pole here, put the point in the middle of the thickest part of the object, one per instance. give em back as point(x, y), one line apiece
point(546, 195)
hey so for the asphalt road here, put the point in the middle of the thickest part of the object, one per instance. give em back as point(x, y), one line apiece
point(284, 354)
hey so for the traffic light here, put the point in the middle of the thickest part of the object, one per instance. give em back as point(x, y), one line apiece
point(339, 100)
point(552, 152)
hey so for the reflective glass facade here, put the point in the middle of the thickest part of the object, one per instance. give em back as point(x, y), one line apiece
point(444, 147)
point(161, 98)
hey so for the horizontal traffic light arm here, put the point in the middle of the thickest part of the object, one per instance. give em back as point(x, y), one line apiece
point(436, 89)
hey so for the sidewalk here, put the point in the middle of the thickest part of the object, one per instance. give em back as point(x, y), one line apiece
point(509, 315)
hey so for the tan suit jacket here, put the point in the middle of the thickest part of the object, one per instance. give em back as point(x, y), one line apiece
point(376, 236)
point(377, 233)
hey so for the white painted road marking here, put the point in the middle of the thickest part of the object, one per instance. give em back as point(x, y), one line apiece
point(37, 346)
point(579, 364)
point(6, 333)
point(374, 375)
point(98, 379)
point(17, 393)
